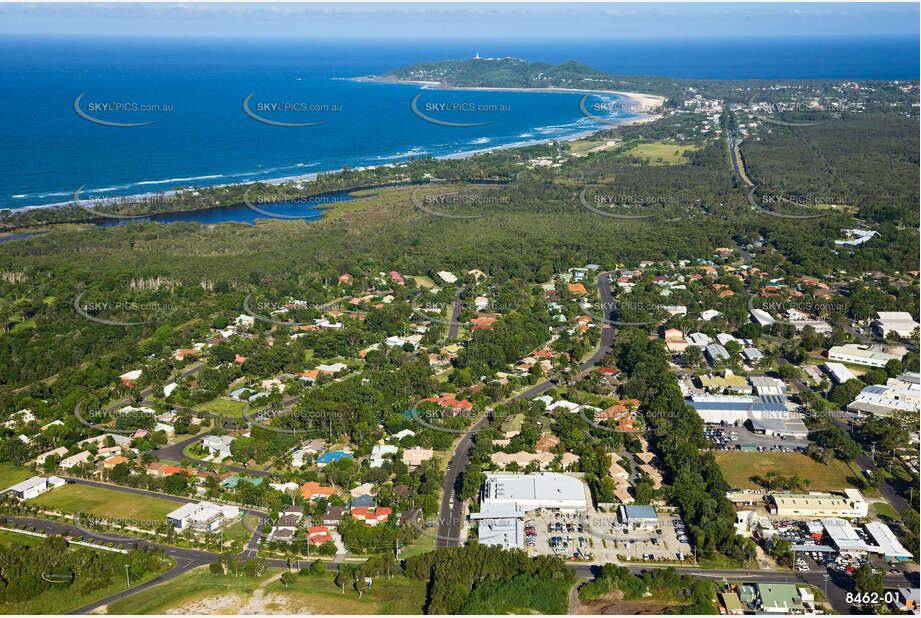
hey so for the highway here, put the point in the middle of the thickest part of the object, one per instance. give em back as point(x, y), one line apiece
point(451, 514)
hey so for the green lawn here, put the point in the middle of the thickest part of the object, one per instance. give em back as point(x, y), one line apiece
point(199, 591)
point(105, 502)
point(224, 407)
point(885, 510)
point(659, 153)
point(64, 600)
point(422, 544)
point(10, 474)
point(738, 468)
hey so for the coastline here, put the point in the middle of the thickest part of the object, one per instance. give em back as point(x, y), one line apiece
point(643, 101)
point(648, 101)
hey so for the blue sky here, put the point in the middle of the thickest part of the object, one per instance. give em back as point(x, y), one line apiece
point(457, 21)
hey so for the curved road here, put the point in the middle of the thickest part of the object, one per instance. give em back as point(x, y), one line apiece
point(451, 514)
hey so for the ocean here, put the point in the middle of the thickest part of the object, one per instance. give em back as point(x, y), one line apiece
point(199, 133)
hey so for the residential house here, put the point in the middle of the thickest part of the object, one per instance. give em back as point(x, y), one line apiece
point(413, 457)
point(75, 460)
point(311, 490)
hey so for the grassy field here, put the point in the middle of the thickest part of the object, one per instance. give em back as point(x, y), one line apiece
point(738, 468)
point(62, 601)
point(201, 592)
point(105, 502)
point(11, 474)
point(224, 407)
point(421, 545)
point(885, 510)
point(659, 153)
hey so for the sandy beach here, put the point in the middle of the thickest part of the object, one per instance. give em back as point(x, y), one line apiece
point(643, 101)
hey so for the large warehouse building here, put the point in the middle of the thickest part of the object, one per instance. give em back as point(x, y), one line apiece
point(818, 505)
point(507, 498)
point(529, 492)
point(768, 414)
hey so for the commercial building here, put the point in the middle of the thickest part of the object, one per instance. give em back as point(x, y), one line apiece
point(887, 544)
point(768, 414)
point(639, 516)
point(759, 316)
point(779, 598)
point(869, 356)
point(715, 352)
point(844, 537)
point(818, 504)
point(35, 486)
point(899, 322)
point(529, 492)
point(201, 516)
point(501, 525)
point(508, 497)
point(766, 385)
point(897, 394)
point(838, 373)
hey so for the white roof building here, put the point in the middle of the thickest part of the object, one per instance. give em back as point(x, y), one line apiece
point(839, 373)
point(528, 492)
point(762, 317)
point(709, 314)
point(869, 356)
point(900, 322)
point(888, 545)
point(378, 452)
point(700, 340)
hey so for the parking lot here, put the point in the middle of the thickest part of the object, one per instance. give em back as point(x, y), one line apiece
point(729, 438)
point(603, 537)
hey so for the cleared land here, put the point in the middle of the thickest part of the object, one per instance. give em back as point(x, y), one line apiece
point(223, 407)
point(199, 591)
point(738, 468)
point(105, 502)
point(658, 153)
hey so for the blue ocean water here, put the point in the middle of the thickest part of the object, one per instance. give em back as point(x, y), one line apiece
point(205, 138)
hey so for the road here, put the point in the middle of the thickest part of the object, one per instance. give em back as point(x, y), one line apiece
point(863, 461)
point(454, 325)
point(451, 514)
point(838, 585)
